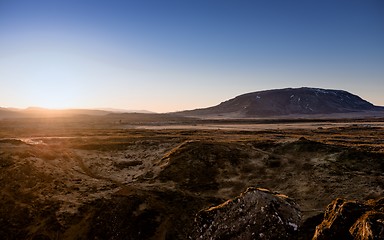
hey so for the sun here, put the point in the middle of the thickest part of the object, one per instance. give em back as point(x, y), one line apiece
point(55, 98)
point(54, 93)
point(52, 81)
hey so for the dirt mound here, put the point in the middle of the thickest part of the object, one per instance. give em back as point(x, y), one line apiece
point(255, 214)
point(302, 169)
point(345, 219)
point(134, 213)
point(201, 166)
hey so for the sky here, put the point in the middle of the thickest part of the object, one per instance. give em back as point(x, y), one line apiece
point(166, 56)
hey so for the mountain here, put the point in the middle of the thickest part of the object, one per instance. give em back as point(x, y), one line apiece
point(290, 102)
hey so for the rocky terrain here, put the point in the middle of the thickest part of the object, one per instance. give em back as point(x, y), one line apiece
point(63, 180)
point(345, 219)
point(303, 102)
point(255, 214)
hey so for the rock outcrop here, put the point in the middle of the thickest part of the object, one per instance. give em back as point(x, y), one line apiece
point(345, 219)
point(255, 214)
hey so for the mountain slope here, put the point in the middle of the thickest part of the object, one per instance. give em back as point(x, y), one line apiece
point(288, 101)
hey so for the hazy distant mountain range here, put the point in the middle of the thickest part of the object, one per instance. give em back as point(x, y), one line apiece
point(36, 112)
point(290, 102)
point(279, 103)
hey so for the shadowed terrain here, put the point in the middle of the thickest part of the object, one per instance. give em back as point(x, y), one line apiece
point(83, 179)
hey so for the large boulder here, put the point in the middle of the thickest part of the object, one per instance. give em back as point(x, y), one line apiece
point(345, 219)
point(255, 214)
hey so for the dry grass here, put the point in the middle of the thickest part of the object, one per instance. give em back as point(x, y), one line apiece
point(71, 167)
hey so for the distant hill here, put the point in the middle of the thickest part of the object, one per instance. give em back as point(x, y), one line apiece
point(291, 102)
point(8, 113)
point(36, 112)
point(117, 110)
point(116, 115)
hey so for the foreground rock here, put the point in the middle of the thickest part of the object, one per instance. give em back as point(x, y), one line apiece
point(255, 214)
point(352, 220)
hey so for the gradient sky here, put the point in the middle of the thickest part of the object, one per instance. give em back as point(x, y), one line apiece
point(174, 55)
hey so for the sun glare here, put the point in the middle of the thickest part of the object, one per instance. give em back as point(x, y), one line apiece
point(52, 81)
point(55, 99)
point(53, 94)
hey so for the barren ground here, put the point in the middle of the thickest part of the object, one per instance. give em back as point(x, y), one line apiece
point(67, 179)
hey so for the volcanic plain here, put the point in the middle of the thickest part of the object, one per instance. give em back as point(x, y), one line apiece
point(111, 178)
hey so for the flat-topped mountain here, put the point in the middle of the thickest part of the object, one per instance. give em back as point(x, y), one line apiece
point(289, 102)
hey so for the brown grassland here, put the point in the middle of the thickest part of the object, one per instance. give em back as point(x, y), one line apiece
point(138, 178)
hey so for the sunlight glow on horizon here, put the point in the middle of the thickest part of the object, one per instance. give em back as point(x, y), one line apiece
point(160, 57)
point(56, 79)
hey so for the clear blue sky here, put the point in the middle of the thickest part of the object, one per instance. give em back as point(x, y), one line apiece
point(174, 55)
